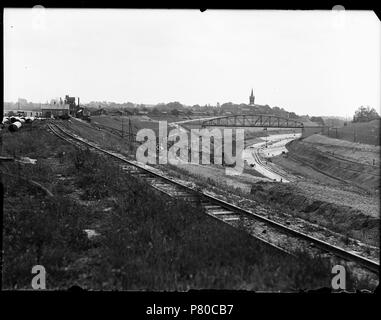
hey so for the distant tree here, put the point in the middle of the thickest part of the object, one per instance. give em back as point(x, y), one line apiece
point(276, 110)
point(365, 114)
point(227, 104)
point(155, 110)
point(189, 112)
point(292, 115)
point(130, 105)
point(175, 112)
point(174, 105)
point(318, 120)
point(161, 107)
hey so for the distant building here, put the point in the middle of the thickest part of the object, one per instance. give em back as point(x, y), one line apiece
point(116, 113)
point(83, 112)
point(73, 108)
point(56, 101)
point(247, 109)
point(251, 98)
point(49, 110)
point(230, 108)
point(98, 112)
point(23, 113)
point(21, 102)
point(199, 113)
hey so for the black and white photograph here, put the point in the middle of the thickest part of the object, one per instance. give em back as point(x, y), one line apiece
point(169, 150)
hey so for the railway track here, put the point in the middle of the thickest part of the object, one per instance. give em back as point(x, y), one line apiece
point(114, 131)
point(258, 159)
point(262, 228)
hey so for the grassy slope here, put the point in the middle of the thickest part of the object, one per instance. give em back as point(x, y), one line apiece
point(115, 122)
point(363, 132)
point(338, 165)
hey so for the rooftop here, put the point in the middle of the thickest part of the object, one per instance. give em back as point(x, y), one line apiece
point(55, 106)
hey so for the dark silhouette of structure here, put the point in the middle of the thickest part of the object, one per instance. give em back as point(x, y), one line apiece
point(72, 106)
point(251, 98)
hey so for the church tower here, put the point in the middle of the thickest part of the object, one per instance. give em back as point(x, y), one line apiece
point(251, 98)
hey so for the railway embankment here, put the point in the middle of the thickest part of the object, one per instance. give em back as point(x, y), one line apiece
point(337, 185)
point(346, 162)
point(348, 220)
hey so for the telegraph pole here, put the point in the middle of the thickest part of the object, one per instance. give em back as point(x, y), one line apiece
point(122, 127)
point(265, 129)
point(130, 130)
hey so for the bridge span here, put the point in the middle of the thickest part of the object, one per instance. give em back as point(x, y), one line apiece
point(254, 120)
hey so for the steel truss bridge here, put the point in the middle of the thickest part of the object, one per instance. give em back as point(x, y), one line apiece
point(257, 120)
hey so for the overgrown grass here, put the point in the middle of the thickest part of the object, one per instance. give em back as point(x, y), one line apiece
point(38, 229)
point(152, 243)
point(48, 232)
point(171, 246)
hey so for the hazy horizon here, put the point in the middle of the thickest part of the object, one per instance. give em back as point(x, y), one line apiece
point(308, 62)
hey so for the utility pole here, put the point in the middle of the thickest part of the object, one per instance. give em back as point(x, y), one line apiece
point(130, 131)
point(122, 127)
point(265, 129)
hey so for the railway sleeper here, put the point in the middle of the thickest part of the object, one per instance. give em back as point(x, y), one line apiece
point(222, 212)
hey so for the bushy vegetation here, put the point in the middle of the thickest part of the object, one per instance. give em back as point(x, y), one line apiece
point(38, 229)
point(365, 114)
point(48, 232)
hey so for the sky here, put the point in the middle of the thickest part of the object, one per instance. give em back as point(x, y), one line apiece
point(307, 62)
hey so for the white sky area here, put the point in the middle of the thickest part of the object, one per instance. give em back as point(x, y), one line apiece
point(308, 62)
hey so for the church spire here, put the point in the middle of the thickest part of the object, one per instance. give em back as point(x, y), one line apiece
point(251, 98)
